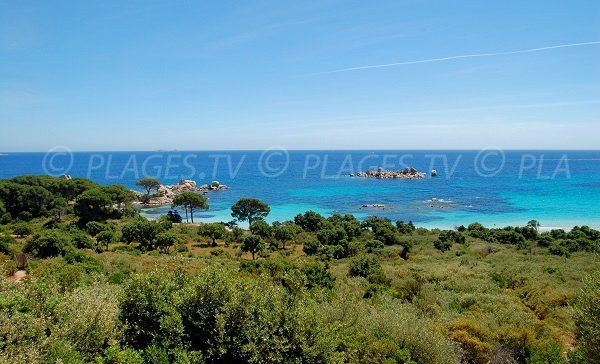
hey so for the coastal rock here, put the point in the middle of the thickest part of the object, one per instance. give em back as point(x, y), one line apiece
point(166, 193)
point(375, 205)
point(433, 173)
point(380, 173)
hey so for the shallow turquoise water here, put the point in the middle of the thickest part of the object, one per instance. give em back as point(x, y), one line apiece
point(558, 188)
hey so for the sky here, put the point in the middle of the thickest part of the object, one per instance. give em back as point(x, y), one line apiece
point(229, 75)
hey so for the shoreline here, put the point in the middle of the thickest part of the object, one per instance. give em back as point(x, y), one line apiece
point(224, 216)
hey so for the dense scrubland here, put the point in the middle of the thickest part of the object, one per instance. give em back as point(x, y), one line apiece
point(104, 285)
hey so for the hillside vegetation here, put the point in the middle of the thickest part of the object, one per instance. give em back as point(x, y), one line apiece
point(104, 285)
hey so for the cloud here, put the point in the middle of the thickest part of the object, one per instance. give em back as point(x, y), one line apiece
point(450, 58)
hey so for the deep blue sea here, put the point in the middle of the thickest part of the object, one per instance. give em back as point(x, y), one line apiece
point(496, 188)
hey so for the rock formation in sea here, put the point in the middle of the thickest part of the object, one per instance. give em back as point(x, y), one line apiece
point(406, 173)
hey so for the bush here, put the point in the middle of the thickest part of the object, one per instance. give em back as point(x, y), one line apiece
point(442, 245)
point(165, 240)
point(5, 241)
point(318, 275)
point(90, 319)
point(25, 216)
point(22, 230)
point(5, 219)
point(311, 247)
point(363, 266)
point(587, 317)
point(106, 237)
point(81, 239)
point(94, 228)
point(47, 244)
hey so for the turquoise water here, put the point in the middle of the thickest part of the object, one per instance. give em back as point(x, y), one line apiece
point(557, 188)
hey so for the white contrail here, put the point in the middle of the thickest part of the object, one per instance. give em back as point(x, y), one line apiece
point(431, 60)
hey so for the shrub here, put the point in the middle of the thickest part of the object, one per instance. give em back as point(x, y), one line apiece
point(442, 245)
point(81, 239)
point(473, 339)
point(587, 317)
point(25, 216)
point(5, 219)
point(165, 240)
point(106, 237)
point(5, 241)
point(90, 318)
point(22, 229)
point(142, 231)
point(318, 275)
point(311, 247)
point(47, 244)
point(94, 228)
point(363, 266)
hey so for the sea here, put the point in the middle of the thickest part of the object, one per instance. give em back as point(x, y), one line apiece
point(558, 188)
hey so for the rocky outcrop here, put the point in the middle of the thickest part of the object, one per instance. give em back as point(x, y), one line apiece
point(214, 186)
point(374, 205)
point(166, 193)
point(406, 173)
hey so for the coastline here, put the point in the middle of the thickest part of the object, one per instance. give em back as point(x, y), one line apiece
point(287, 212)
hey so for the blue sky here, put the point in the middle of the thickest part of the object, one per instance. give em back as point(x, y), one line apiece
point(190, 75)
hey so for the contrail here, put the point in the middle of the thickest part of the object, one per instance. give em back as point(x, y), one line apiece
point(431, 60)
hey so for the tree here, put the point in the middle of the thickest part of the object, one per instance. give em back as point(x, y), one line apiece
point(142, 231)
point(93, 205)
point(148, 184)
point(106, 237)
point(173, 216)
point(250, 209)
point(262, 229)
point(311, 247)
point(119, 195)
point(213, 231)
point(190, 201)
point(534, 224)
point(81, 239)
point(284, 232)
point(165, 240)
point(253, 244)
point(587, 317)
point(59, 206)
point(94, 228)
point(309, 221)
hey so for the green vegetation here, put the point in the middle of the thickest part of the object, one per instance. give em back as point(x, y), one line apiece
point(250, 209)
point(105, 285)
point(190, 201)
point(148, 184)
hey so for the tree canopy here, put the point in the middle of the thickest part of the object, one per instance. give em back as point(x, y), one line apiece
point(250, 209)
point(148, 184)
point(190, 201)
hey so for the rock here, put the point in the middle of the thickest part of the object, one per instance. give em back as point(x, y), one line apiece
point(433, 173)
point(66, 177)
point(380, 173)
point(166, 194)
